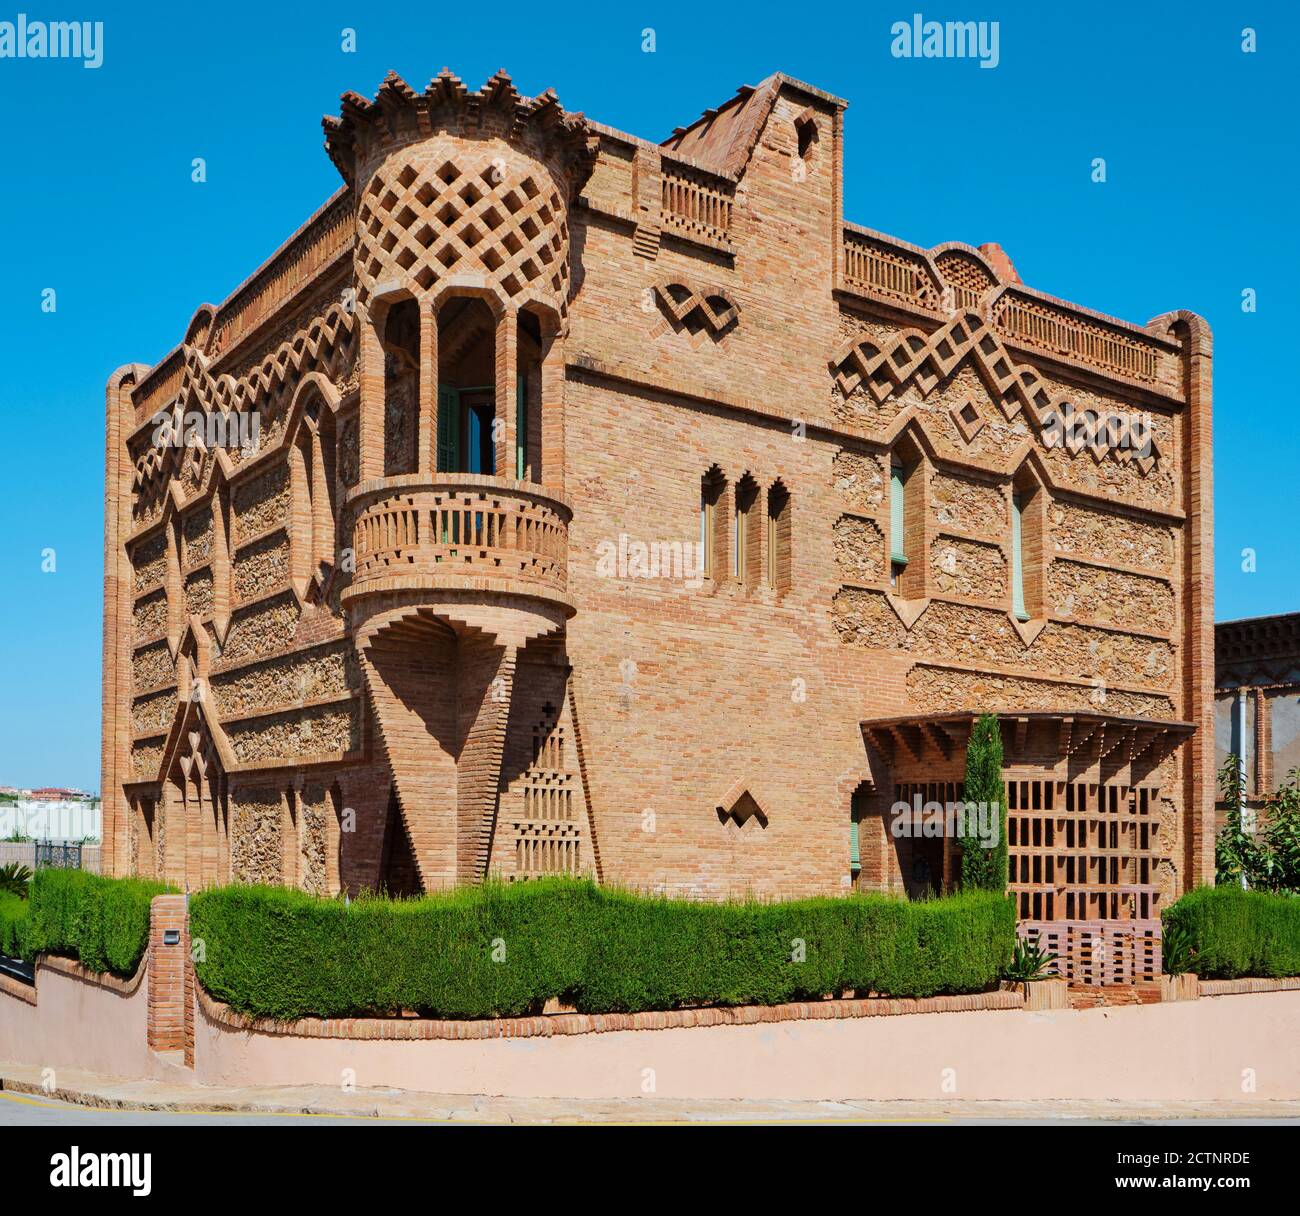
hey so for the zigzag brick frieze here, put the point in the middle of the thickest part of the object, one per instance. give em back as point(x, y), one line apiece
point(927, 361)
point(327, 344)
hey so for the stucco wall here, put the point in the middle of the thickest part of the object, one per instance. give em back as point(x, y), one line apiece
point(1175, 1051)
point(79, 1023)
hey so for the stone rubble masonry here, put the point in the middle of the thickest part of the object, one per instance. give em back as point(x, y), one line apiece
point(331, 662)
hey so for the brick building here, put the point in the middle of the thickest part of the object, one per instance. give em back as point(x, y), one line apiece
point(618, 508)
point(1257, 699)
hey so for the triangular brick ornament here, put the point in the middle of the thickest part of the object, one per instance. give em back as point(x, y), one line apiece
point(909, 611)
point(739, 806)
point(1028, 631)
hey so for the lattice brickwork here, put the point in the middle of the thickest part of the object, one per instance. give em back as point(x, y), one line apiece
point(966, 278)
point(1100, 953)
point(415, 225)
point(1082, 851)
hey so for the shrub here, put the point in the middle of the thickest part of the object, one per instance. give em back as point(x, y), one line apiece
point(102, 922)
point(13, 916)
point(1235, 932)
point(504, 950)
point(985, 869)
point(14, 878)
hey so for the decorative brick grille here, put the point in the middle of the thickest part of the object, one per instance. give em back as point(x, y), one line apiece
point(888, 272)
point(1099, 953)
point(1053, 330)
point(417, 225)
point(695, 207)
point(1082, 851)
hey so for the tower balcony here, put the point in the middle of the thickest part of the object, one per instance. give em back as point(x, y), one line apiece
point(462, 537)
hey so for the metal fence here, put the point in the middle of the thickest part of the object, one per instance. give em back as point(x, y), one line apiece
point(57, 855)
point(24, 854)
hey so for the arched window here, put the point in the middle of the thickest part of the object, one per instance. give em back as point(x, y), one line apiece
point(713, 488)
point(401, 387)
point(907, 558)
point(1028, 512)
point(467, 389)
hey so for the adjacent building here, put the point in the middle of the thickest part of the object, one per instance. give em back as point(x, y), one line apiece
point(558, 501)
point(1257, 700)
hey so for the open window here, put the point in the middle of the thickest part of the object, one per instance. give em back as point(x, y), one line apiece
point(466, 388)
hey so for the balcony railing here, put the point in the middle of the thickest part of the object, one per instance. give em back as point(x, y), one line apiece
point(695, 206)
point(460, 525)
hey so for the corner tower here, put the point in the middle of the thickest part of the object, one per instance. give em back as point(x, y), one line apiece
point(459, 521)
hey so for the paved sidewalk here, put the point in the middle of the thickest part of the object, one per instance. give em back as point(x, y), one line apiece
point(116, 1094)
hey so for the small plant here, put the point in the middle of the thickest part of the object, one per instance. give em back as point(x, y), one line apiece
point(14, 879)
point(1030, 962)
point(1177, 950)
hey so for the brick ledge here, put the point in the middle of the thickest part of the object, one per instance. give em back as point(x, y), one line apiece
point(17, 989)
point(1249, 984)
point(549, 1025)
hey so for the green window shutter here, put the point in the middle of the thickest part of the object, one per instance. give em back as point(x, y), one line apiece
point(897, 552)
point(855, 856)
point(1017, 560)
point(521, 426)
point(448, 429)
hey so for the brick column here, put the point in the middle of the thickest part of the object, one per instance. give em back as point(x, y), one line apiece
point(115, 755)
point(506, 375)
point(170, 1021)
point(1263, 744)
point(426, 456)
point(371, 410)
point(1198, 598)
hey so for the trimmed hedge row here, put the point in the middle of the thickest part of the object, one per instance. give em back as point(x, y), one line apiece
point(503, 950)
point(1236, 932)
point(102, 922)
point(13, 915)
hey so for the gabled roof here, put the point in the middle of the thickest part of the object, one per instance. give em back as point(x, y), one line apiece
point(723, 139)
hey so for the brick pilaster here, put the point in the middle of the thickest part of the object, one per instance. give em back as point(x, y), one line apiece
point(171, 1026)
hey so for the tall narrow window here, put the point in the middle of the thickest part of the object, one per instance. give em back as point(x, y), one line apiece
point(1017, 557)
point(712, 487)
point(738, 548)
point(776, 564)
point(1028, 526)
point(897, 523)
point(746, 557)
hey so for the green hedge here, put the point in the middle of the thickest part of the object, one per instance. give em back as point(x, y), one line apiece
point(13, 915)
point(503, 950)
point(1236, 932)
point(103, 922)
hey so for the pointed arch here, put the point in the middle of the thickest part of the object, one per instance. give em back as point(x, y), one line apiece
point(1027, 543)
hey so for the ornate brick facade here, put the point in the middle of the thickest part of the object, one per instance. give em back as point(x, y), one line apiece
point(617, 508)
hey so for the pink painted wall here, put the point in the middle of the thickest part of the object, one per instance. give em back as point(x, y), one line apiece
point(1178, 1050)
point(77, 1024)
point(1194, 1050)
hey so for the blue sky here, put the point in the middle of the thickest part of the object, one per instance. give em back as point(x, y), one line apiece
point(98, 205)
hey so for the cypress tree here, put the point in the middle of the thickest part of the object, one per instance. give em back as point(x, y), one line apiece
point(983, 868)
